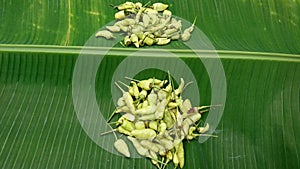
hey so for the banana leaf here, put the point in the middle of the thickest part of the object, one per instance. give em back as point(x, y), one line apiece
point(257, 43)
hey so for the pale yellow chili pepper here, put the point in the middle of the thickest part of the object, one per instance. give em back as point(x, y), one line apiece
point(122, 147)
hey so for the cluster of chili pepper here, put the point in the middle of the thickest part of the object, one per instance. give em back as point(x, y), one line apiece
point(146, 25)
point(156, 119)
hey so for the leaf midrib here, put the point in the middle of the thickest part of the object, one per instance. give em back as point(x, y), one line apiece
point(225, 54)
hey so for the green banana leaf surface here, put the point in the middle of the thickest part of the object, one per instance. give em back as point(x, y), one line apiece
point(257, 43)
